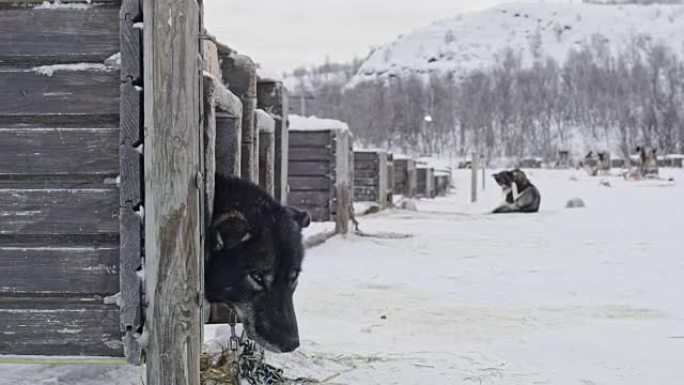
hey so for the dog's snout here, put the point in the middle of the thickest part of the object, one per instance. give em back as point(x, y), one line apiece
point(290, 345)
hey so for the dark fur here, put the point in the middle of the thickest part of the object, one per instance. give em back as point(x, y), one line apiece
point(528, 199)
point(505, 180)
point(252, 236)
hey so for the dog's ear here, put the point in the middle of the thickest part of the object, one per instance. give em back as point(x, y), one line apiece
point(230, 230)
point(302, 218)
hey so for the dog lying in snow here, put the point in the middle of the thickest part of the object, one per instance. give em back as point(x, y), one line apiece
point(520, 196)
point(255, 261)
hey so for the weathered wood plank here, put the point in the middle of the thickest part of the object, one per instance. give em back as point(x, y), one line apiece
point(309, 198)
point(173, 246)
point(311, 154)
point(131, 41)
point(57, 328)
point(266, 127)
point(57, 181)
point(131, 114)
point(59, 211)
point(59, 151)
point(344, 177)
point(131, 176)
point(55, 270)
point(87, 92)
point(272, 98)
point(309, 168)
point(314, 139)
point(228, 144)
point(301, 183)
point(129, 282)
point(239, 74)
point(58, 35)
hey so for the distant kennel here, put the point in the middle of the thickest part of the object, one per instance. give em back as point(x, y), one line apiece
point(371, 180)
point(319, 174)
point(425, 181)
point(405, 179)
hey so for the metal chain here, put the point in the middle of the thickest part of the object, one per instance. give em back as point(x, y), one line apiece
point(249, 365)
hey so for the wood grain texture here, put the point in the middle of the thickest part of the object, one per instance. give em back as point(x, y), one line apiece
point(42, 151)
point(272, 98)
point(315, 139)
point(58, 270)
point(302, 183)
point(57, 211)
point(58, 36)
point(89, 92)
point(344, 171)
point(173, 247)
point(309, 168)
point(240, 75)
point(311, 154)
point(57, 328)
point(266, 126)
point(131, 114)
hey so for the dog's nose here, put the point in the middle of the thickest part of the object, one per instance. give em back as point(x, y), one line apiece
point(289, 345)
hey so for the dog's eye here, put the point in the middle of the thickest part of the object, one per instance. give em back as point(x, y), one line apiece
point(293, 276)
point(257, 278)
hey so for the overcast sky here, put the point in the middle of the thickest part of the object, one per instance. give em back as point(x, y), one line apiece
point(284, 34)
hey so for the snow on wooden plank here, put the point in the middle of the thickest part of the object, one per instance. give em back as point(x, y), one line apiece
point(59, 211)
point(35, 92)
point(44, 36)
point(48, 327)
point(59, 270)
point(59, 151)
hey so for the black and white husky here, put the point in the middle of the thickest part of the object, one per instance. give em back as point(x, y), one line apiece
point(520, 195)
point(255, 261)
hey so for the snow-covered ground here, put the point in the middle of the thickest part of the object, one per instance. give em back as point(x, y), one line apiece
point(565, 296)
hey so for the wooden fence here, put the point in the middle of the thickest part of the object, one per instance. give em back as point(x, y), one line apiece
point(65, 192)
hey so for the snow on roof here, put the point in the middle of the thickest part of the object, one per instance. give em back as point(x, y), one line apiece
point(401, 157)
point(312, 123)
point(674, 156)
point(437, 164)
point(265, 73)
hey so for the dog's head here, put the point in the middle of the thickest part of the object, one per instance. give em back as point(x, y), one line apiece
point(503, 179)
point(519, 178)
point(254, 266)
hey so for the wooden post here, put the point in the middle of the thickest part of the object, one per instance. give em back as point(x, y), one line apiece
point(272, 97)
point(239, 74)
point(484, 171)
point(473, 180)
point(173, 143)
point(266, 129)
point(343, 181)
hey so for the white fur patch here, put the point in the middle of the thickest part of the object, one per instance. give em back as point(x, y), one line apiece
point(514, 190)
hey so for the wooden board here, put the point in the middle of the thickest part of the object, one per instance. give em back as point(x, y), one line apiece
point(58, 328)
point(173, 191)
point(57, 211)
point(298, 183)
point(315, 139)
point(308, 168)
point(310, 154)
point(58, 35)
point(29, 93)
point(59, 151)
point(309, 198)
point(59, 270)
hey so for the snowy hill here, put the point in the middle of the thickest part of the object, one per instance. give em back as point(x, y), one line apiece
point(474, 41)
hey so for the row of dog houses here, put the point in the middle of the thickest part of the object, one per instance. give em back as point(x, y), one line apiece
point(326, 175)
